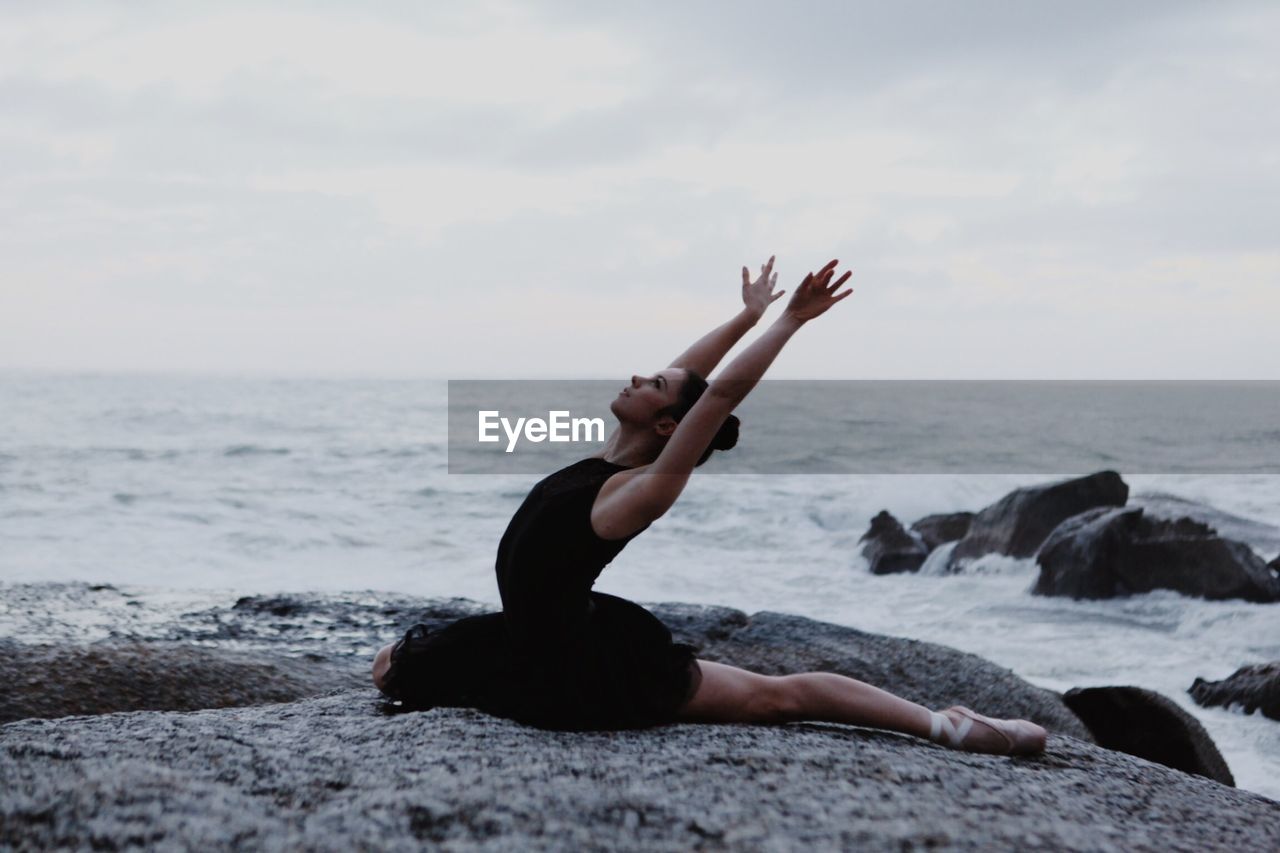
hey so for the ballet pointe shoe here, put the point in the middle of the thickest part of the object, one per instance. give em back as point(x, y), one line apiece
point(961, 728)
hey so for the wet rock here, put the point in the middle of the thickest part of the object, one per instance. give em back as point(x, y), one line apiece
point(1251, 687)
point(1105, 553)
point(1144, 723)
point(63, 680)
point(331, 773)
point(889, 548)
point(1259, 535)
point(1018, 523)
point(939, 529)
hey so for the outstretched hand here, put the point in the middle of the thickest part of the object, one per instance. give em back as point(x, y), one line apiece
point(758, 295)
point(817, 293)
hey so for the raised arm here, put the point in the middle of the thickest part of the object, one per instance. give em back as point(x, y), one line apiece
point(651, 492)
point(813, 297)
point(703, 356)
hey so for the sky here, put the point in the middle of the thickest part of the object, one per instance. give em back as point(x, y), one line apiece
point(570, 189)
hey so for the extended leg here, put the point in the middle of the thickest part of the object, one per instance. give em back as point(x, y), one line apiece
point(731, 695)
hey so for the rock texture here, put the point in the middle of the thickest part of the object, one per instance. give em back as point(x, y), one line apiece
point(331, 773)
point(1143, 723)
point(1018, 523)
point(62, 680)
point(1260, 535)
point(1251, 687)
point(1112, 552)
point(889, 548)
point(939, 529)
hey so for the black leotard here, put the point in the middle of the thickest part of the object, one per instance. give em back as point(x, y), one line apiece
point(559, 655)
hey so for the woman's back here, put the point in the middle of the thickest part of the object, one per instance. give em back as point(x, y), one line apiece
point(559, 655)
point(549, 556)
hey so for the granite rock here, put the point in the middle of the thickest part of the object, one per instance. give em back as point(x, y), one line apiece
point(1251, 687)
point(1146, 724)
point(332, 773)
point(1018, 523)
point(941, 528)
point(1105, 553)
point(889, 549)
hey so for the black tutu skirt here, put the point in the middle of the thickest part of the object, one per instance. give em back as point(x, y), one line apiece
point(618, 669)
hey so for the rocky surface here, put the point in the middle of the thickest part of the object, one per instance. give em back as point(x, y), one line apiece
point(1144, 723)
point(304, 639)
point(332, 773)
point(1105, 553)
point(1261, 536)
point(1018, 523)
point(889, 548)
point(939, 529)
point(62, 680)
point(1251, 687)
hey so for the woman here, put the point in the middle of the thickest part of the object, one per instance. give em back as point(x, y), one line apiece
point(562, 656)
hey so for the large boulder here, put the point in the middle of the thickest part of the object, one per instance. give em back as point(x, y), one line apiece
point(941, 528)
point(889, 548)
point(1143, 723)
point(1250, 687)
point(331, 773)
point(1105, 553)
point(1017, 524)
point(1262, 536)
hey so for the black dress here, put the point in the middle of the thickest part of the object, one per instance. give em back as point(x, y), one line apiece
point(559, 655)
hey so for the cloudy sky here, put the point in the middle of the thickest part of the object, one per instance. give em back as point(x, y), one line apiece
point(569, 189)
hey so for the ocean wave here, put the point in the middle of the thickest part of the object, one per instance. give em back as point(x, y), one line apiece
point(254, 450)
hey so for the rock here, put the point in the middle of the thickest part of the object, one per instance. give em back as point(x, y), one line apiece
point(933, 675)
point(62, 680)
point(287, 661)
point(1259, 535)
point(1105, 553)
point(942, 528)
point(1251, 687)
point(1018, 523)
point(164, 674)
point(331, 773)
point(889, 548)
point(1146, 724)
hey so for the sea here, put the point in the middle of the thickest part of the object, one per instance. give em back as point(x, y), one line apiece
point(204, 489)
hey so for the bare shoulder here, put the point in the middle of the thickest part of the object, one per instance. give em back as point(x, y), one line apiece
point(617, 481)
point(617, 512)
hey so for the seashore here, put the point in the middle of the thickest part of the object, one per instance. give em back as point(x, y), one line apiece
point(321, 765)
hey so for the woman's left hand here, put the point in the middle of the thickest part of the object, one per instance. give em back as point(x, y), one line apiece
point(758, 295)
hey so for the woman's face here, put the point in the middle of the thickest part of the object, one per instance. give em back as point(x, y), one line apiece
point(641, 400)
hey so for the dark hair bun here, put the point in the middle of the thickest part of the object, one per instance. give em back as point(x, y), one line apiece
point(727, 437)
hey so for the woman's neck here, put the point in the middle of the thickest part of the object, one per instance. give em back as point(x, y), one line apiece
point(632, 447)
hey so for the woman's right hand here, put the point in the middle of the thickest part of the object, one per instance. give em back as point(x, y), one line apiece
point(817, 293)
